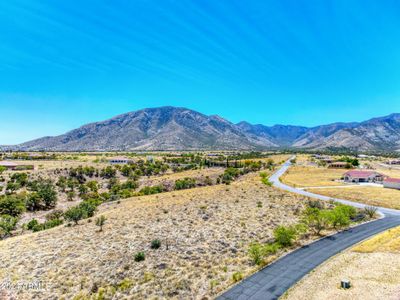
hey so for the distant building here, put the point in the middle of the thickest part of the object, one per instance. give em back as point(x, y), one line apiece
point(339, 165)
point(363, 176)
point(119, 160)
point(392, 183)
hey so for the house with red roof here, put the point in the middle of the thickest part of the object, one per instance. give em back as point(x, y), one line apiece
point(392, 183)
point(363, 176)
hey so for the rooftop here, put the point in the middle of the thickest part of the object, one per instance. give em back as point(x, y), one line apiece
point(361, 174)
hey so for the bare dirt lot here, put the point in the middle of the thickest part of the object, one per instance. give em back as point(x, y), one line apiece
point(204, 233)
point(372, 267)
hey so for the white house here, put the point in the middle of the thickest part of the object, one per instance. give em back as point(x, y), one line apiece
point(392, 183)
point(363, 176)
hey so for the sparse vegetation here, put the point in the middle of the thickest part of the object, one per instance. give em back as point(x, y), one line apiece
point(140, 256)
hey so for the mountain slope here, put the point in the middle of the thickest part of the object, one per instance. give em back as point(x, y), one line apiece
point(375, 134)
point(164, 128)
point(172, 128)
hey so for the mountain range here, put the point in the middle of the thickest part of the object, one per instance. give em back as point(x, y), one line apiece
point(176, 128)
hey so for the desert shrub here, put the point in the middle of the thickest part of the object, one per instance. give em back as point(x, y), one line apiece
point(35, 226)
point(237, 276)
point(33, 202)
point(155, 244)
point(32, 224)
point(11, 205)
point(315, 204)
point(75, 214)
point(285, 236)
point(338, 218)
point(316, 219)
point(185, 183)
point(208, 181)
point(130, 184)
point(269, 249)
point(370, 211)
point(47, 193)
point(256, 253)
point(108, 172)
point(100, 221)
point(347, 210)
point(93, 186)
point(7, 224)
point(265, 179)
point(140, 256)
point(150, 190)
point(20, 178)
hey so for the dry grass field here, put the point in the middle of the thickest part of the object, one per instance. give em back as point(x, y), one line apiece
point(373, 268)
point(376, 196)
point(302, 176)
point(204, 233)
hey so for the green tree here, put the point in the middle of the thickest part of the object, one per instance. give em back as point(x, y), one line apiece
point(47, 193)
point(75, 214)
point(33, 201)
point(12, 205)
point(7, 224)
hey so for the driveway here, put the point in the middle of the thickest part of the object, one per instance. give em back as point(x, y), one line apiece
point(275, 279)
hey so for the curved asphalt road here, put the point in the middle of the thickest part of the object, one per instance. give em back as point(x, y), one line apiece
point(274, 280)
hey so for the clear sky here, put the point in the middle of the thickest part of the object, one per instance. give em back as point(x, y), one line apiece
point(67, 63)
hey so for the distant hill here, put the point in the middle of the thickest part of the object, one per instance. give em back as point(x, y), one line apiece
point(164, 128)
point(175, 128)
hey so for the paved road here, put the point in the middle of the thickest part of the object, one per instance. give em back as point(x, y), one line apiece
point(274, 280)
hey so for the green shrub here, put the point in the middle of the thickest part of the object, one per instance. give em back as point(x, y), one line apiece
point(370, 211)
point(150, 190)
point(7, 224)
point(100, 221)
point(269, 249)
point(265, 179)
point(185, 183)
point(316, 219)
point(140, 256)
point(237, 276)
point(47, 193)
point(285, 236)
point(155, 244)
point(11, 205)
point(256, 253)
point(75, 214)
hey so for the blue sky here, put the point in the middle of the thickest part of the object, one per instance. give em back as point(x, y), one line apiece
point(67, 63)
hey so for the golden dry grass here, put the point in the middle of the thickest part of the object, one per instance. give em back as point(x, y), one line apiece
point(208, 231)
point(375, 196)
point(372, 268)
point(302, 176)
point(388, 241)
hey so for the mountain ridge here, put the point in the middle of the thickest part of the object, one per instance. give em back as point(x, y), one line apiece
point(180, 128)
